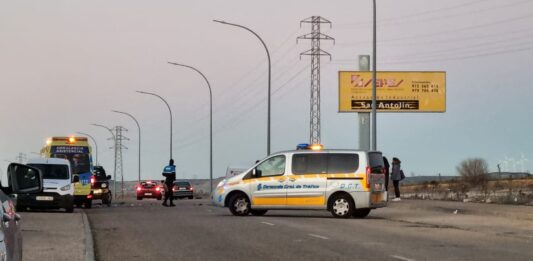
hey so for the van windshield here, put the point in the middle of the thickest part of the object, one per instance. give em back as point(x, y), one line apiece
point(78, 161)
point(52, 171)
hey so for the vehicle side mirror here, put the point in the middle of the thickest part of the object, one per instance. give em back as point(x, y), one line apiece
point(108, 177)
point(256, 173)
point(76, 179)
point(24, 179)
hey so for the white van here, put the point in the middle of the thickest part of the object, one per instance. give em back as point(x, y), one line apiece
point(58, 190)
point(345, 182)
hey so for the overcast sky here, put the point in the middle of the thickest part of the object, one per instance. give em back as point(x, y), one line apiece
point(67, 64)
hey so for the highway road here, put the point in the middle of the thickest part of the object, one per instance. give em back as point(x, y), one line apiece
point(407, 230)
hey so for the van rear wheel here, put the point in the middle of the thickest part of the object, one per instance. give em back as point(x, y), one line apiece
point(239, 205)
point(342, 206)
point(361, 213)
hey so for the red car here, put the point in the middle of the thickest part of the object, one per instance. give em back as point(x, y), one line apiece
point(149, 189)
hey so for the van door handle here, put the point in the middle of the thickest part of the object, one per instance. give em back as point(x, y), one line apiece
point(292, 179)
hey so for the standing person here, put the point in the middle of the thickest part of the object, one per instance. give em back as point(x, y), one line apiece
point(387, 172)
point(396, 177)
point(170, 176)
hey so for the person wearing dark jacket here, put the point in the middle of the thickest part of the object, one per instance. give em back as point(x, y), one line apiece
point(387, 172)
point(170, 176)
point(396, 177)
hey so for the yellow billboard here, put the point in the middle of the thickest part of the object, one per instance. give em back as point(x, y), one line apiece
point(396, 91)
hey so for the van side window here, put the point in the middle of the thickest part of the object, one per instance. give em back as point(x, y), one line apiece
point(274, 166)
point(342, 163)
point(312, 163)
point(325, 163)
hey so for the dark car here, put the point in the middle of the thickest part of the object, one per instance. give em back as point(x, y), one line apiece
point(22, 179)
point(149, 189)
point(182, 189)
point(100, 185)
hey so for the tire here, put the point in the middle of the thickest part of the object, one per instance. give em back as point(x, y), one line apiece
point(258, 212)
point(341, 206)
point(88, 204)
point(159, 198)
point(239, 205)
point(361, 213)
point(139, 198)
point(191, 197)
point(106, 200)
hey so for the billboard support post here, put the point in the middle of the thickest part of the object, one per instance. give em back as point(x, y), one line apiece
point(363, 118)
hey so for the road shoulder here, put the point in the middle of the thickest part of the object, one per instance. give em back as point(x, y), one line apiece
point(53, 236)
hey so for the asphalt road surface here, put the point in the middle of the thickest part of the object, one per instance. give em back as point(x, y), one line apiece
point(408, 230)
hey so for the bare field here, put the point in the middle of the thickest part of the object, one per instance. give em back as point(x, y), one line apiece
point(504, 191)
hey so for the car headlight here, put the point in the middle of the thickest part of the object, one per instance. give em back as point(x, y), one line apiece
point(104, 185)
point(65, 188)
point(221, 183)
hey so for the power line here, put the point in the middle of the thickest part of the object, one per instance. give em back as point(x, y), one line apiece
point(464, 57)
point(467, 28)
point(241, 118)
point(423, 13)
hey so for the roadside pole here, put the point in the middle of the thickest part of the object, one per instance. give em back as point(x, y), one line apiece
point(364, 117)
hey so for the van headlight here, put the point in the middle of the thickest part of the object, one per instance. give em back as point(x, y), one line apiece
point(221, 183)
point(65, 188)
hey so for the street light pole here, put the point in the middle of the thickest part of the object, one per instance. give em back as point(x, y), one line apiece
point(269, 76)
point(95, 145)
point(139, 127)
point(169, 110)
point(374, 79)
point(210, 122)
point(115, 168)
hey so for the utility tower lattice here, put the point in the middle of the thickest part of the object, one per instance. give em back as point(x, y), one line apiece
point(315, 52)
point(119, 137)
point(21, 158)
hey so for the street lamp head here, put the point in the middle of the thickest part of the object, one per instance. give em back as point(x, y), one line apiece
point(141, 92)
point(220, 21)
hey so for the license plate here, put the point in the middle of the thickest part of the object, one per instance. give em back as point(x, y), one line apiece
point(147, 194)
point(97, 191)
point(183, 188)
point(44, 198)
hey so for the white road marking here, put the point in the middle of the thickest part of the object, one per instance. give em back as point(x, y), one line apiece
point(319, 236)
point(266, 223)
point(402, 258)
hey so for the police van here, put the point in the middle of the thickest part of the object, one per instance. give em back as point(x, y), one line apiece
point(58, 190)
point(347, 183)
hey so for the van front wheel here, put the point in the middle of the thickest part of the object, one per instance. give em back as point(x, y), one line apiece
point(342, 206)
point(239, 205)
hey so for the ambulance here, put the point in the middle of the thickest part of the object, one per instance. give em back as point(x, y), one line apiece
point(348, 183)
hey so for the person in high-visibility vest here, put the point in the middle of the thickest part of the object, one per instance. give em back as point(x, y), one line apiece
point(169, 172)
